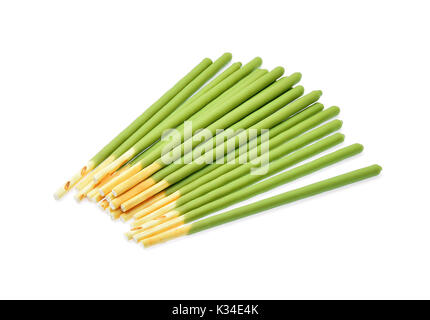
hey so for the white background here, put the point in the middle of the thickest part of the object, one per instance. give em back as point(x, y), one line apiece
point(74, 73)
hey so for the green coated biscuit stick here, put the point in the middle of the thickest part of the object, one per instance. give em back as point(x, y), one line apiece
point(233, 90)
point(136, 166)
point(196, 165)
point(171, 178)
point(230, 121)
point(268, 121)
point(228, 194)
point(126, 148)
point(119, 156)
point(266, 204)
point(295, 195)
point(253, 110)
point(166, 114)
point(279, 147)
point(242, 84)
point(107, 150)
point(277, 116)
point(146, 157)
point(215, 170)
point(235, 192)
point(215, 191)
point(171, 122)
point(176, 104)
point(215, 113)
point(207, 171)
point(209, 115)
point(280, 158)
